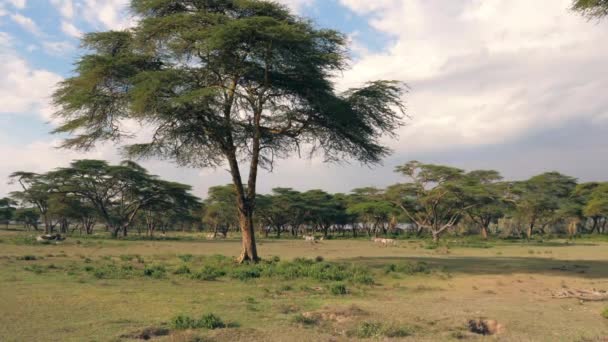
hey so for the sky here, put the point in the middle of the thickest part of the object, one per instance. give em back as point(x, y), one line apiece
point(514, 85)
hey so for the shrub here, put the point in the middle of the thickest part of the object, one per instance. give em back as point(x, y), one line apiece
point(28, 257)
point(211, 321)
point(110, 271)
point(208, 273)
point(208, 321)
point(408, 268)
point(377, 330)
point(605, 313)
point(155, 271)
point(182, 322)
point(245, 273)
point(338, 289)
point(368, 330)
point(183, 269)
point(185, 257)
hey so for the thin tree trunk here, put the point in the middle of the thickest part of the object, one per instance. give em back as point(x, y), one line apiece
point(484, 232)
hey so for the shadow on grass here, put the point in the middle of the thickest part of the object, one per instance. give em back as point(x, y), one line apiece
point(500, 265)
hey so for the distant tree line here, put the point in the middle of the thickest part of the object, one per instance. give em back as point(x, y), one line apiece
point(433, 200)
point(92, 192)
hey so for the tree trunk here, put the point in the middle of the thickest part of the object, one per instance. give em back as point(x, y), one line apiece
point(249, 252)
point(484, 232)
point(529, 232)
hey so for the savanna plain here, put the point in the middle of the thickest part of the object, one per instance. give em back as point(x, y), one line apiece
point(185, 288)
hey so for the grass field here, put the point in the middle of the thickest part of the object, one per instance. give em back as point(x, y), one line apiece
point(96, 289)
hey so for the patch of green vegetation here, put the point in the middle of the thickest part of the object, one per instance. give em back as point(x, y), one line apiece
point(132, 257)
point(155, 271)
point(305, 320)
point(208, 321)
point(245, 273)
point(605, 313)
point(409, 268)
point(37, 269)
point(183, 269)
point(110, 271)
point(185, 257)
point(338, 289)
point(379, 330)
point(208, 273)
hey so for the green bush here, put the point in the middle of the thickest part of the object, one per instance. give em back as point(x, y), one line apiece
point(110, 271)
point(211, 321)
point(28, 258)
point(185, 257)
point(246, 272)
point(368, 330)
point(338, 289)
point(378, 330)
point(409, 268)
point(208, 321)
point(155, 271)
point(605, 313)
point(208, 273)
point(183, 322)
point(183, 269)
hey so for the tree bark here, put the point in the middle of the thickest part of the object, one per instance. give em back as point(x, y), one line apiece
point(249, 252)
point(484, 232)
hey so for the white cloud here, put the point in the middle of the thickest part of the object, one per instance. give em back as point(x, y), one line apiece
point(71, 30)
point(111, 14)
point(25, 22)
point(485, 71)
point(65, 7)
point(23, 89)
point(58, 48)
point(296, 5)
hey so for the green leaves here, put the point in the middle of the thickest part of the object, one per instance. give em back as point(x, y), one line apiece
point(200, 71)
point(591, 8)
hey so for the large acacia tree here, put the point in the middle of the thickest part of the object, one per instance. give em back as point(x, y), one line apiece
point(236, 82)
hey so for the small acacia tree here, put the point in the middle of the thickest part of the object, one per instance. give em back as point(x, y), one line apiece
point(484, 197)
point(225, 82)
point(431, 200)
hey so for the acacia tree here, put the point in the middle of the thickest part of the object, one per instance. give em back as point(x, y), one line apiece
point(7, 210)
point(28, 217)
point(484, 198)
point(597, 207)
point(430, 200)
point(226, 82)
point(117, 192)
point(538, 200)
point(220, 211)
point(371, 209)
point(171, 203)
point(591, 8)
point(35, 191)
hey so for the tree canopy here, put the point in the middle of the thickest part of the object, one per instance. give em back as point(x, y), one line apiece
point(226, 82)
point(591, 8)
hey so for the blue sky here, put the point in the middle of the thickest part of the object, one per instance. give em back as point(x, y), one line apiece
point(512, 85)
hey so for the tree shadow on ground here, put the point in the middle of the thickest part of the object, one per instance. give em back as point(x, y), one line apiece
point(592, 269)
